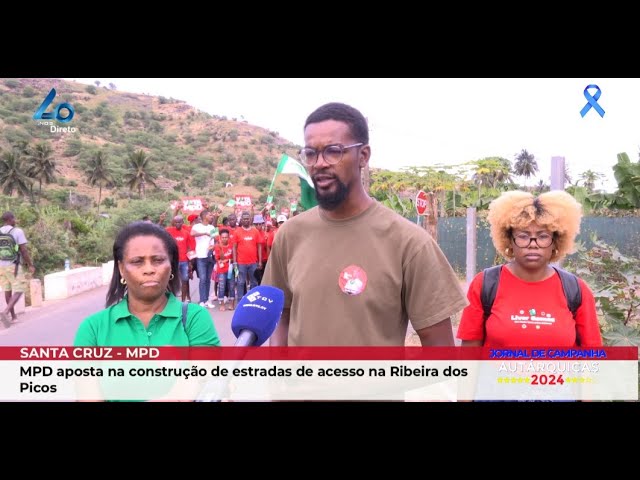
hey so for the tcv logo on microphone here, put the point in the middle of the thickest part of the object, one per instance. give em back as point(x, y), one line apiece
point(257, 296)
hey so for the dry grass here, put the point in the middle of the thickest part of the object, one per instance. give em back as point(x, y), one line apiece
point(181, 120)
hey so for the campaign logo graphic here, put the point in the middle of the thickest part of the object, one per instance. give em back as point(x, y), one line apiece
point(352, 280)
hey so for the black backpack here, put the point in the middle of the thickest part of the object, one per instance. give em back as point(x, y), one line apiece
point(491, 276)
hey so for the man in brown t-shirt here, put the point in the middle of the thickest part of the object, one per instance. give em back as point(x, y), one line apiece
point(353, 271)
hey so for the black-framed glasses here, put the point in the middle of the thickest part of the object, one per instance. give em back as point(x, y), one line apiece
point(523, 240)
point(332, 154)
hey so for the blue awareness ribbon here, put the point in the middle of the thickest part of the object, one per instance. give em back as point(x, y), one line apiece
point(592, 101)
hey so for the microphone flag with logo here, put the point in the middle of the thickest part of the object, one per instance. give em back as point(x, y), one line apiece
point(258, 312)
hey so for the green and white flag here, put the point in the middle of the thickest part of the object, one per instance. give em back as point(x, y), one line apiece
point(291, 166)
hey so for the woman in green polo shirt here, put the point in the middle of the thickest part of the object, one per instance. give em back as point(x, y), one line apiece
point(141, 307)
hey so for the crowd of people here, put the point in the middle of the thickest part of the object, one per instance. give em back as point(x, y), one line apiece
point(228, 256)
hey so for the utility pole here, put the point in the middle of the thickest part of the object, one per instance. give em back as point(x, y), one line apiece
point(557, 173)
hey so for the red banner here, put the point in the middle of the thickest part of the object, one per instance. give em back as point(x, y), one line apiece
point(318, 353)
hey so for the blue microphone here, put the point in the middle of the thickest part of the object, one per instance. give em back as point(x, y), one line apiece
point(257, 315)
point(253, 322)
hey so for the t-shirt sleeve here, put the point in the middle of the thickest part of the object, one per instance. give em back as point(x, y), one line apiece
point(587, 325)
point(20, 237)
point(276, 272)
point(472, 321)
point(86, 335)
point(431, 289)
point(200, 328)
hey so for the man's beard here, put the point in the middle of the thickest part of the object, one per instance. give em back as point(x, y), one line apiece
point(332, 200)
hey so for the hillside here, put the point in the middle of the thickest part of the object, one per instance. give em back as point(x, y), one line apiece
point(192, 152)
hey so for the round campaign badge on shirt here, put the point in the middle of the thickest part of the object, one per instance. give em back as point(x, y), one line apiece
point(352, 280)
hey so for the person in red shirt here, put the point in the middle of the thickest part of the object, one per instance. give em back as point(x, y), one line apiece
point(272, 234)
point(269, 234)
point(530, 307)
point(223, 253)
point(247, 253)
point(259, 224)
point(186, 243)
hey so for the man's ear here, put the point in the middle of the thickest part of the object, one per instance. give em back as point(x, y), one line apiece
point(365, 154)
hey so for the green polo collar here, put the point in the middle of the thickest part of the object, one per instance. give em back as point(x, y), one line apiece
point(173, 308)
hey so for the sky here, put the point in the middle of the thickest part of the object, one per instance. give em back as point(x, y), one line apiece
point(422, 122)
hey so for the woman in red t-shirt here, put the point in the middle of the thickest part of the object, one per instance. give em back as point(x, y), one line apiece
point(530, 308)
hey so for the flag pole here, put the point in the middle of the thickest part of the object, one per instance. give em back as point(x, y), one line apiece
point(282, 159)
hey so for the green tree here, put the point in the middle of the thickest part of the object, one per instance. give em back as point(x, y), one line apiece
point(542, 187)
point(22, 147)
point(567, 174)
point(98, 173)
point(41, 166)
point(491, 172)
point(11, 176)
point(589, 179)
point(139, 172)
point(525, 165)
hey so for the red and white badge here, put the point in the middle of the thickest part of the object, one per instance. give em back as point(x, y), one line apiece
point(352, 280)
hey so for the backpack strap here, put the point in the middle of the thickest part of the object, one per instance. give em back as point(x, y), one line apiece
point(185, 305)
point(17, 248)
point(490, 278)
point(8, 232)
point(571, 289)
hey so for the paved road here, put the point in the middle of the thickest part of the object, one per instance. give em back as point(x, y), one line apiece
point(56, 322)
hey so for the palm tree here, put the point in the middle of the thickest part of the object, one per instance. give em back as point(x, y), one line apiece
point(542, 187)
point(41, 166)
point(567, 174)
point(501, 172)
point(139, 173)
point(23, 147)
point(98, 173)
point(491, 172)
point(11, 176)
point(525, 165)
point(589, 179)
point(482, 176)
